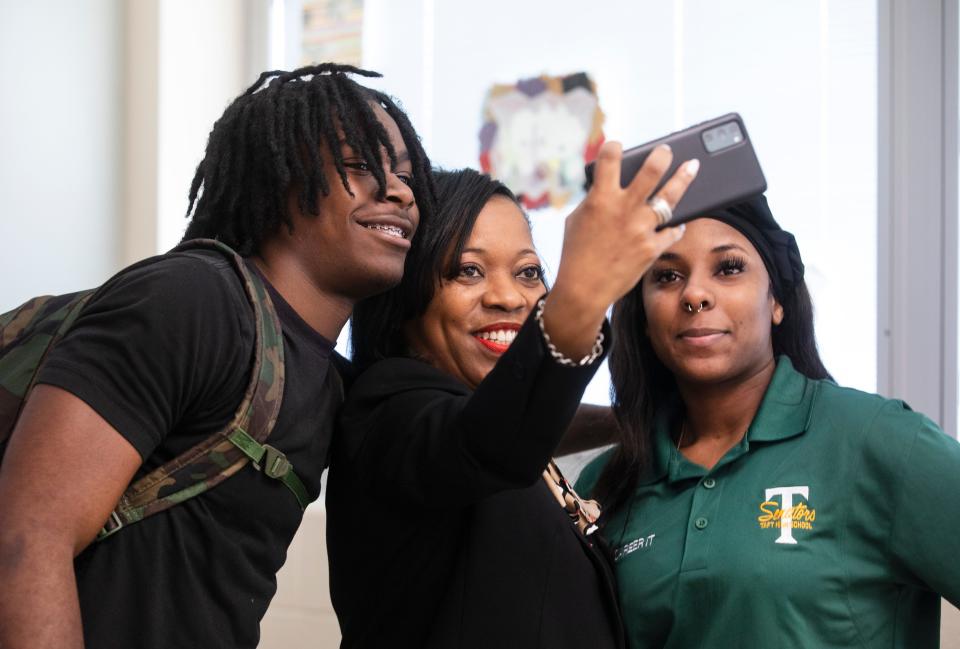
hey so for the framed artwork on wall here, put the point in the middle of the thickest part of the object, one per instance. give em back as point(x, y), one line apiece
point(538, 134)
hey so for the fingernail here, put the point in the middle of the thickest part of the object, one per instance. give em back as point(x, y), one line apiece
point(692, 167)
point(664, 147)
point(681, 229)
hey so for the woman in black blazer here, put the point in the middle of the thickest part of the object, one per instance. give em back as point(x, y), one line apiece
point(444, 530)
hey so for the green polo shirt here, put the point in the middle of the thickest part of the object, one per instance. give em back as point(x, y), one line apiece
point(835, 522)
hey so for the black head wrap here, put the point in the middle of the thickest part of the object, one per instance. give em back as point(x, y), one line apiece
point(777, 247)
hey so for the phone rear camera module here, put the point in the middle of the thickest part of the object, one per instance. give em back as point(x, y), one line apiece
point(722, 137)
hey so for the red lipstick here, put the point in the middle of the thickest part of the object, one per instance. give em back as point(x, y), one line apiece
point(495, 346)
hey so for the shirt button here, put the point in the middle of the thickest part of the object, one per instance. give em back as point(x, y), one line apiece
point(701, 523)
point(709, 483)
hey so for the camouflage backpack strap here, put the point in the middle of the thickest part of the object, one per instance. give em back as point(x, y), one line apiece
point(27, 334)
point(227, 451)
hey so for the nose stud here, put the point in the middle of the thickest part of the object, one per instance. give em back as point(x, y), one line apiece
point(700, 307)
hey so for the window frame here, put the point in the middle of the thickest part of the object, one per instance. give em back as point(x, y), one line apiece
point(917, 185)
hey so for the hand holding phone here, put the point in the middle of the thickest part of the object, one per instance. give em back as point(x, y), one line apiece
point(609, 242)
point(729, 169)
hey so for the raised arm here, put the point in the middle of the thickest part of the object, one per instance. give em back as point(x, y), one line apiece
point(410, 430)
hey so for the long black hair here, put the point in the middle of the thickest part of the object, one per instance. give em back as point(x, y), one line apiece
point(268, 142)
point(378, 322)
point(640, 382)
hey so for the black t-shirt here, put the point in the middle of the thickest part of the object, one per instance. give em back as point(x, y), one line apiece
point(164, 354)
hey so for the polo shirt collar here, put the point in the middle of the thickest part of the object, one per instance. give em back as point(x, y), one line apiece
point(784, 413)
point(786, 406)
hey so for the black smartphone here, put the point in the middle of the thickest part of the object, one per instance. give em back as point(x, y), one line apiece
point(729, 169)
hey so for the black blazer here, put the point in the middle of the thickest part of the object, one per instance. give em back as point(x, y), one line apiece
point(441, 532)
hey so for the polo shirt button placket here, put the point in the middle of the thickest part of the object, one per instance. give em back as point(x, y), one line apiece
point(709, 483)
point(701, 523)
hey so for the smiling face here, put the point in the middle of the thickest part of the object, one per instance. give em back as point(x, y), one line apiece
point(709, 306)
point(356, 246)
point(474, 316)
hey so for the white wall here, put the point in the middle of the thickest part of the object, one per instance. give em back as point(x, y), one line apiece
point(60, 139)
point(105, 115)
point(202, 67)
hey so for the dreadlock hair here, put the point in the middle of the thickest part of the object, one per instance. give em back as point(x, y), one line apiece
point(268, 142)
point(640, 383)
point(377, 326)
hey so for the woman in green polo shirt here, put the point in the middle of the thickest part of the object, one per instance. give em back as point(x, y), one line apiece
point(751, 502)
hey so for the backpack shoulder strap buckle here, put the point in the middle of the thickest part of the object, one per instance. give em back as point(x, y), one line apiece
point(275, 463)
point(114, 524)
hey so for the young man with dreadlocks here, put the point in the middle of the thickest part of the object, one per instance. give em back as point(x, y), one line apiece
point(319, 183)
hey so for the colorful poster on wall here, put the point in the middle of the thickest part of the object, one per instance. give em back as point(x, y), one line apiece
point(539, 133)
point(332, 31)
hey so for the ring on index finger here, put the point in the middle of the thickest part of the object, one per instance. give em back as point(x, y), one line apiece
point(661, 208)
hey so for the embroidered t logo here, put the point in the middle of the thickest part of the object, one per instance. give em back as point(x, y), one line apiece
point(788, 516)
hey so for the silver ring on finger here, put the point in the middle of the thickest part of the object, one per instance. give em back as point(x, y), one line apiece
point(661, 208)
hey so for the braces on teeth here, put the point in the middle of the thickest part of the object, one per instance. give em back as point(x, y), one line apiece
point(389, 229)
